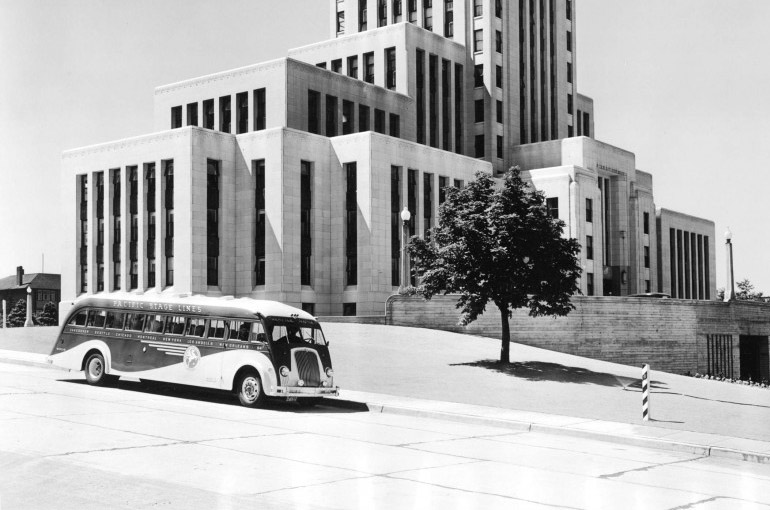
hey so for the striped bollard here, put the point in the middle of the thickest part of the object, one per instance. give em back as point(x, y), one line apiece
point(646, 392)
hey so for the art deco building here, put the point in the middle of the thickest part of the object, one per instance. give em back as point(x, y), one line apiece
point(284, 180)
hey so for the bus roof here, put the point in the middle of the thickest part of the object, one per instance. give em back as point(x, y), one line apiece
point(190, 304)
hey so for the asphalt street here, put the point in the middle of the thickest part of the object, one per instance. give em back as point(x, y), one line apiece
point(64, 444)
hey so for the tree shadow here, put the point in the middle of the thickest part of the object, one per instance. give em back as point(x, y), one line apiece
point(544, 371)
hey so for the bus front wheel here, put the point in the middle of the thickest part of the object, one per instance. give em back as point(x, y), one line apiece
point(95, 369)
point(250, 391)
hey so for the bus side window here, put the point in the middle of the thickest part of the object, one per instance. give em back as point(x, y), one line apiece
point(135, 322)
point(258, 333)
point(216, 328)
point(115, 320)
point(175, 325)
point(196, 327)
point(79, 319)
point(235, 330)
point(154, 324)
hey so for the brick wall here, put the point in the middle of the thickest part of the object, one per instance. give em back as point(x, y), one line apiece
point(669, 334)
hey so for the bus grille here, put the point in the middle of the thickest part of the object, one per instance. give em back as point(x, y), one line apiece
point(307, 367)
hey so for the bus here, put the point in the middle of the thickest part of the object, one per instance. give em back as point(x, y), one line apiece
point(255, 349)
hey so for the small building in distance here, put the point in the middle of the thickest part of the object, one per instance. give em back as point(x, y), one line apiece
point(46, 288)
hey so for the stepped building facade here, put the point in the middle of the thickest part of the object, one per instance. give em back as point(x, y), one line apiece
point(285, 180)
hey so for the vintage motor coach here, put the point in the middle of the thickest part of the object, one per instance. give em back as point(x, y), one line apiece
point(257, 349)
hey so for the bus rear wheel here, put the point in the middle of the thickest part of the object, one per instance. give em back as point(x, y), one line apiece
point(250, 391)
point(95, 370)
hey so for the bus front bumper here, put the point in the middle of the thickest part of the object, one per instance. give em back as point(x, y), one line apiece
point(303, 391)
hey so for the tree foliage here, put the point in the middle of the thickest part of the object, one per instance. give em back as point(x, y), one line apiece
point(745, 292)
point(18, 314)
point(500, 246)
point(49, 316)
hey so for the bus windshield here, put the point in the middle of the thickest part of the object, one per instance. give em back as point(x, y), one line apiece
point(296, 332)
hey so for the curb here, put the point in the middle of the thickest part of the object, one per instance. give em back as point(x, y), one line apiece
point(645, 442)
point(518, 426)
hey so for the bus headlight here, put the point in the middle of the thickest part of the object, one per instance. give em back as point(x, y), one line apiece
point(329, 372)
point(284, 371)
point(300, 383)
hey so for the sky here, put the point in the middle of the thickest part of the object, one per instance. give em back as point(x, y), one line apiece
point(683, 84)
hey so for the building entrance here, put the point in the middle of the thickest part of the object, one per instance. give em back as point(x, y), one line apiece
point(755, 364)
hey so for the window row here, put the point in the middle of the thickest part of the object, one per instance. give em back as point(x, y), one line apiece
point(384, 123)
point(368, 67)
point(176, 325)
point(208, 110)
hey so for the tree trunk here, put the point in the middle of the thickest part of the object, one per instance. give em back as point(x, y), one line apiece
point(505, 348)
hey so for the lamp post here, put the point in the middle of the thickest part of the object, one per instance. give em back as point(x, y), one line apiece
point(405, 217)
point(28, 322)
point(730, 287)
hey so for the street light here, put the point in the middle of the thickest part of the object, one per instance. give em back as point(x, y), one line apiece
point(730, 287)
point(405, 217)
point(28, 323)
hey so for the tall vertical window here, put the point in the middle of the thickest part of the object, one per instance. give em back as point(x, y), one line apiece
point(706, 269)
point(446, 104)
point(427, 203)
point(498, 41)
point(412, 11)
point(379, 121)
point(390, 68)
point(569, 72)
point(569, 41)
point(133, 195)
point(362, 15)
point(99, 231)
point(478, 8)
point(478, 146)
point(192, 114)
point(499, 8)
point(412, 200)
point(569, 9)
point(224, 113)
point(522, 76)
point(259, 110)
point(499, 111)
point(313, 112)
point(420, 96)
point(353, 66)
point(116, 229)
point(241, 112)
point(433, 113)
point(395, 225)
point(478, 75)
point(149, 173)
point(398, 14)
point(646, 222)
point(340, 17)
point(176, 117)
point(382, 13)
point(259, 209)
point(351, 224)
point(552, 205)
point(448, 18)
point(168, 205)
point(478, 41)
point(499, 77)
point(478, 110)
point(552, 57)
point(427, 14)
point(394, 125)
point(306, 241)
point(337, 65)
point(443, 182)
point(83, 185)
point(348, 117)
point(647, 257)
point(499, 153)
point(331, 115)
point(208, 114)
point(459, 117)
point(364, 123)
point(212, 222)
point(589, 284)
point(589, 210)
point(369, 67)
point(589, 247)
